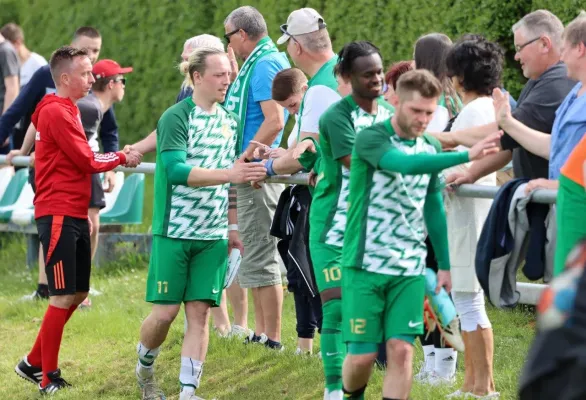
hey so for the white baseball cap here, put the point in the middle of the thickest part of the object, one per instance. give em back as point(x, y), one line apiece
point(300, 22)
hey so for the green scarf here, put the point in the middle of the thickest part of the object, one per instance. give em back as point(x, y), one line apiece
point(237, 97)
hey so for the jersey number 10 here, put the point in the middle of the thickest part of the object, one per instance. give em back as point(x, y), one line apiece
point(333, 274)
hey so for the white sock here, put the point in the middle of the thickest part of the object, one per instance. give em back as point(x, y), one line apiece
point(146, 360)
point(334, 395)
point(146, 356)
point(445, 362)
point(190, 374)
point(429, 357)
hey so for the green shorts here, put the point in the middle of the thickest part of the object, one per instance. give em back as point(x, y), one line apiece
point(326, 260)
point(186, 270)
point(376, 307)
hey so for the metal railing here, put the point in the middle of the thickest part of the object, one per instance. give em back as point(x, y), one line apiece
point(529, 292)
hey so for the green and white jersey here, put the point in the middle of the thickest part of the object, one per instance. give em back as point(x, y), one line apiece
point(195, 213)
point(386, 229)
point(337, 129)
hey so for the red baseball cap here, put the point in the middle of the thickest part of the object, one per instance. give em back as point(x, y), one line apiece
point(105, 68)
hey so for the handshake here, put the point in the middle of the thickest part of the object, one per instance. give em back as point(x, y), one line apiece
point(133, 156)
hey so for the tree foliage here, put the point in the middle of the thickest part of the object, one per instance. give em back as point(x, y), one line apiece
point(149, 34)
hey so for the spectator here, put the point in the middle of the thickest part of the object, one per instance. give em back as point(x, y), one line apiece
point(291, 225)
point(190, 45)
point(475, 66)
point(538, 42)
point(310, 47)
point(430, 53)
point(392, 76)
point(570, 121)
point(29, 62)
point(289, 88)
point(9, 88)
point(149, 144)
point(263, 121)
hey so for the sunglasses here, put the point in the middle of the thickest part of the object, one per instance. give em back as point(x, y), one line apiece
point(227, 35)
point(123, 80)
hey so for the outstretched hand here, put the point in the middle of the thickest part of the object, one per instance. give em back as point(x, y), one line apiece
point(133, 158)
point(502, 106)
point(488, 145)
point(233, 63)
point(247, 172)
point(302, 147)
point(456, 179)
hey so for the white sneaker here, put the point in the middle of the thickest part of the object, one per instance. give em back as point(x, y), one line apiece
point(240, 332)
point(147, 384)
point(263, 338)
point(493, 395)
point(457, 393)
point(300, 352)
point(436, 380)
point(423, 375)
point(189, 396)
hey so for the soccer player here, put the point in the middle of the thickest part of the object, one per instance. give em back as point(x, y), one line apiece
point(361, 64)
point(40, 84)
point(64, 165)
point(394, 197)
point(196, 149)
point(107, 90)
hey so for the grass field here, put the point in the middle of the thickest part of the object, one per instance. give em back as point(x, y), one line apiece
point(98, 351)
point(98, 354)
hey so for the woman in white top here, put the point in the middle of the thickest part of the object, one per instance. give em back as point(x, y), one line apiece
point(430, 53)
point(475, 66)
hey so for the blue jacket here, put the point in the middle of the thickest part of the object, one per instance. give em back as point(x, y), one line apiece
point(30, 95)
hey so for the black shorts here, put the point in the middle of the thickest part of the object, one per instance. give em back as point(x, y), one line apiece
point(97, 199)
point(68, 255)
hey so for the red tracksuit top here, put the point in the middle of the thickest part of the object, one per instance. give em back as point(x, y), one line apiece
point(64, 161)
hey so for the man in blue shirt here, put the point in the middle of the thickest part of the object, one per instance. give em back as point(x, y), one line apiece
point(263, 120)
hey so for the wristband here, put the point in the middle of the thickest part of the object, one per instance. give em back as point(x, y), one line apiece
point(232, 227)
point(269, 167)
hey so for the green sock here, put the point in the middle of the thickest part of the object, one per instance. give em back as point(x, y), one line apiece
point(333, 349)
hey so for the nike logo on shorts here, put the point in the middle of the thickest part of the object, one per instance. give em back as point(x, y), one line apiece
point(414, 324)
point(215, 291)
point(332, 354)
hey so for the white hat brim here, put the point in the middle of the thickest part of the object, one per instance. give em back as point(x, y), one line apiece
point(283, 39)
